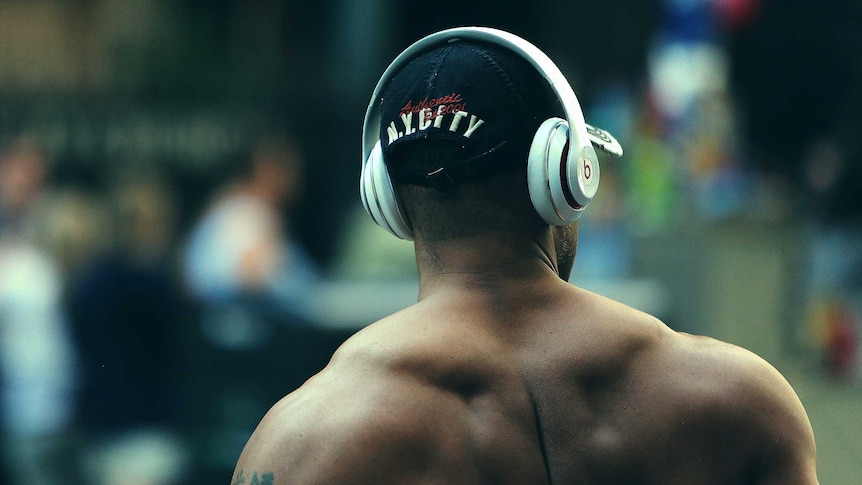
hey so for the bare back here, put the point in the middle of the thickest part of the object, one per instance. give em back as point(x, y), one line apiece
point(566, 387)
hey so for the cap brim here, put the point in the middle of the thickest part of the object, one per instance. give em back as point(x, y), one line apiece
point(604, 141)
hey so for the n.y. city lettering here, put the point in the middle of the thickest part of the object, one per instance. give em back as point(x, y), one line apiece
point(446, 112)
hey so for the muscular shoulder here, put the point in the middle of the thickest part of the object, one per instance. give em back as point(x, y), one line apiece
point(364, 419)
point(735, 377)
point(753, 403)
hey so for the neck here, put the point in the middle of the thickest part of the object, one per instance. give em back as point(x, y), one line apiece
point(485, 263)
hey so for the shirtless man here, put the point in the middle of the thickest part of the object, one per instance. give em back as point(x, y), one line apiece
point(503, 372)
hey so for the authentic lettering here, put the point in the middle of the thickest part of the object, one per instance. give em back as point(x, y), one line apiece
point(426, 103)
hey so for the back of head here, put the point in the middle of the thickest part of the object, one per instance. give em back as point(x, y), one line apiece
point(458, 121)
point(461, 108)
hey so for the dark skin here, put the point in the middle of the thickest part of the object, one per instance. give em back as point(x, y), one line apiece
point(503, 372)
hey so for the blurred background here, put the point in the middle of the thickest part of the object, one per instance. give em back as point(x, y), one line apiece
point(182, 241)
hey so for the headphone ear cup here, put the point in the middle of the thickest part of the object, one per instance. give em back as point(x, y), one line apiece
point(549, 176)
point(379, 197)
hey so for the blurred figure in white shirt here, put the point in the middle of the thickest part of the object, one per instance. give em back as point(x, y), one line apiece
point(37, 377)
point(242, 250)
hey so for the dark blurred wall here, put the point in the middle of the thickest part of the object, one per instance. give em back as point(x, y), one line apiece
point(591, 41)
point(797, 72)
point(185, 86)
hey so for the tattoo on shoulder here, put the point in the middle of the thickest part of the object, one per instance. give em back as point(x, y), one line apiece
point(253, 478)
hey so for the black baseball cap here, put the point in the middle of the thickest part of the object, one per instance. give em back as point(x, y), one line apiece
point(481, 100)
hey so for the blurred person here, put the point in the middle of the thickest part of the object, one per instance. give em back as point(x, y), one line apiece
point(22, 176)
point(129, 319)
point(37, 356)
point(74, 228)
point(250, 281)
point(242, 247)
point(503, 372)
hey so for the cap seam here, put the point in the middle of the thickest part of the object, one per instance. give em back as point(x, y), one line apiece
point(434, 68)
point(507, 80)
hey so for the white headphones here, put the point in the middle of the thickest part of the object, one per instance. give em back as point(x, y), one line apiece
point(562, 166)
